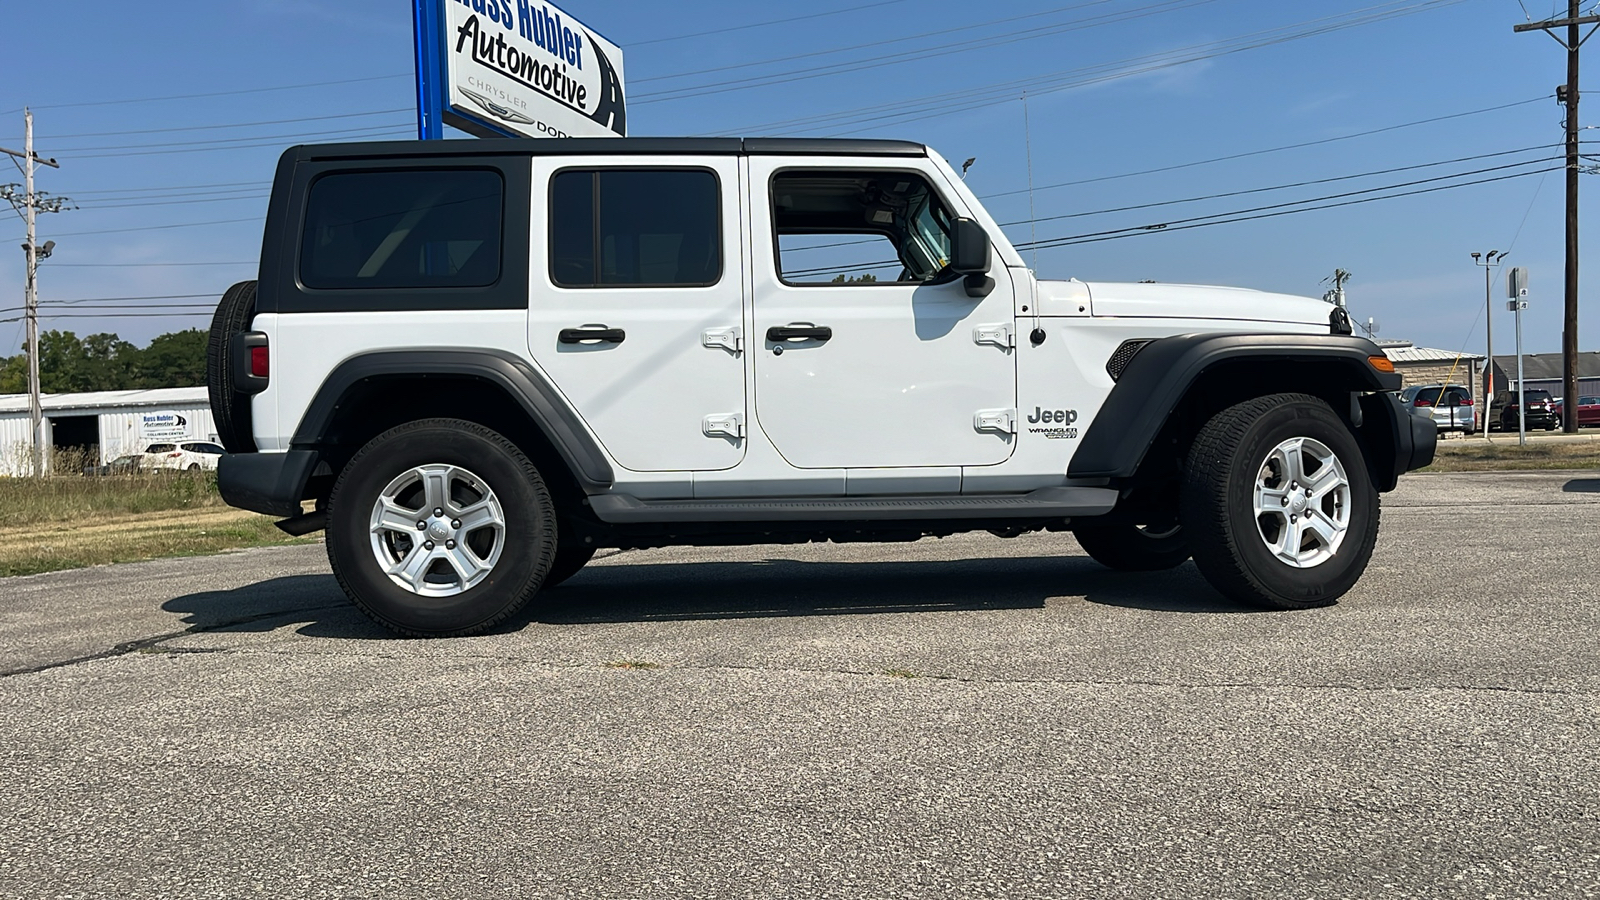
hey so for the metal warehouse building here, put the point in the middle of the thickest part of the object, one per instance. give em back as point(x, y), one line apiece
point(107, 423)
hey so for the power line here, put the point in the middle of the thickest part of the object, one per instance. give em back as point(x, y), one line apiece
point(93, 206)
point(177, 187)
point(295, 120)
point(1233, 156)
point(263, 90)
point(159, 227)
point(258, 142)
point(242, 262)
point(133, 315)
point(984, 95)
point(1097, 237)
point(1282, 187)
point(875, 45)
point(1222, 218)
point(878, 61)
point(698, 34)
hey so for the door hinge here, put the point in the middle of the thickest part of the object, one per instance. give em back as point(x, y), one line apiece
point(999, 421)
point(723, 425)
point(1001, 335)
point(724, 338)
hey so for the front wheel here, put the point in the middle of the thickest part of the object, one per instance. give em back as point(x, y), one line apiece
point(1134, 548)
point(1277, 503)
point(440, 527)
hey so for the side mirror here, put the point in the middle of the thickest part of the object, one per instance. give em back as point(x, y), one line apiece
point(970, 256)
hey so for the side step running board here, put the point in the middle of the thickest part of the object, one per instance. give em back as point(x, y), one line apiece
point(1042, 503)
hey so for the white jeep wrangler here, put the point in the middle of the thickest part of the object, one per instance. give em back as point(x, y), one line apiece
point(485, 360)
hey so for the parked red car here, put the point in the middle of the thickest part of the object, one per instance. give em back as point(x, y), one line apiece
point(1588, 412)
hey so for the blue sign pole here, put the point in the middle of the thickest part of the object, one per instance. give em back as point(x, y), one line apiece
point(428, 16)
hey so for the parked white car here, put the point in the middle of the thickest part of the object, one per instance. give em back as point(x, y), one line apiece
point(188, 456)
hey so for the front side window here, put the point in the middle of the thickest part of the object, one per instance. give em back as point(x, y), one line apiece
point(635, 228)
point(858, 227)
point(403, 229)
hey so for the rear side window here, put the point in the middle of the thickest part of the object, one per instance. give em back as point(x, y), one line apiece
point(403, 229)
point(161, 448)
point(635, 227)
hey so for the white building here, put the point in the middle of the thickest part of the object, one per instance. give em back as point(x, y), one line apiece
point(112, 423)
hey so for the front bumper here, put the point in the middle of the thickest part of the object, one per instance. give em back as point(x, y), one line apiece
point(1396, 440)
point(271, 483)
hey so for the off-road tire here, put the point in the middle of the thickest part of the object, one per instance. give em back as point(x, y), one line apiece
point(530, 527)
point(1216, 506)
point(1134, 548)
point(230, 410)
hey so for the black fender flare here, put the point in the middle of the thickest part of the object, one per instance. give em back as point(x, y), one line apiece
point(1156, 379)
point(532, 392)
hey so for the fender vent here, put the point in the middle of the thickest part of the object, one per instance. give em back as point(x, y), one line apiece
point(1124, 355)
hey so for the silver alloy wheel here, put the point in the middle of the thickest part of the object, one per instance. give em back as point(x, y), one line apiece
point(1302, 502)
point(438, 530)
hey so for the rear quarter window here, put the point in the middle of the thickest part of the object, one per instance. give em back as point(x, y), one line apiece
point(403, 228)
point(161, 448)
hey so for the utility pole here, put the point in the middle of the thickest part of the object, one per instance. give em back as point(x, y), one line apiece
point(1568, 94)
point(1488, 265)
point(33, 202)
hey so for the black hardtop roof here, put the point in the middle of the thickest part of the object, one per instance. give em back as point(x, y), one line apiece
point(666, 146)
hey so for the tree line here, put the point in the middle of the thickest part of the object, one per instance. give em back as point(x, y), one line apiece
point(105, 362)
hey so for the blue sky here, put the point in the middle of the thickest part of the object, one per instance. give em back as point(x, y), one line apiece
point(1106, 101)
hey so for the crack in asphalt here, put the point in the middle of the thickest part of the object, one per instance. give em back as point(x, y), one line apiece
point(153, 644)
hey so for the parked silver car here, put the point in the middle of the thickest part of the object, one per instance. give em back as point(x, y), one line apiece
point(1456, 412)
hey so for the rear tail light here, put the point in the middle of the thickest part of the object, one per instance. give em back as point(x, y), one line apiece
point(260, 362)
point(173, 455)
point(1467, 402)
point(1422, 402)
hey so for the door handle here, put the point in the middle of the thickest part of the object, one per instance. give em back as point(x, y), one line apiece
point(592, 333)
point(799, 332)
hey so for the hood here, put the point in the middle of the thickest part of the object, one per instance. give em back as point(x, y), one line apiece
point(1193, 301)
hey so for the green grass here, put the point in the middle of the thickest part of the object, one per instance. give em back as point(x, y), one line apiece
point(1503, 455)
point(71, 521)
point(70, 498)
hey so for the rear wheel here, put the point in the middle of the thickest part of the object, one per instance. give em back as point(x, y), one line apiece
point(1277, 503)
point(1135, 548)
point(440, 527)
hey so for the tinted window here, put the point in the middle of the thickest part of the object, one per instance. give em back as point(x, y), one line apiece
point(161, 448)
point(1536, 396)
point(657, 228)
point(399, 229)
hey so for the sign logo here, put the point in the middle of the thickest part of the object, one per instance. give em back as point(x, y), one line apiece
point(526, 67)
point(163, 426)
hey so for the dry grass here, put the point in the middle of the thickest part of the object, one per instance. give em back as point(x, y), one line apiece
point(1503, 455)
point(71, 521)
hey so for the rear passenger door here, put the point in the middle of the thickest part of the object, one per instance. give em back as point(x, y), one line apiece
point(636, 305)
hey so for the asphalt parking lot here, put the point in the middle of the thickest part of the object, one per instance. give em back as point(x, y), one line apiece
point(967, 717)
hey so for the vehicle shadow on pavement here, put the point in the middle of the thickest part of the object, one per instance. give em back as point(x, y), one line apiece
point(315, 600)
point(786, 587)
point(655, 592)
point(1582, 486)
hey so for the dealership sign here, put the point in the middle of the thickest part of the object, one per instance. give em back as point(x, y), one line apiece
point(163, 426)
point(515, 68)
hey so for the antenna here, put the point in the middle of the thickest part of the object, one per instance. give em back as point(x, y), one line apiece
point(1033, 218)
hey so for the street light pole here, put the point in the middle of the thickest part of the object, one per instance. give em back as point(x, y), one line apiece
point(1488, 263)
